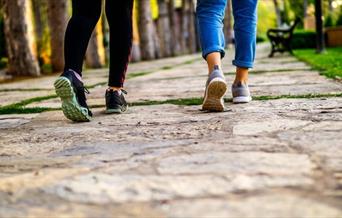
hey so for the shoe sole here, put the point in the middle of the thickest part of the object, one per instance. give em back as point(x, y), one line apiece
point(213, 101)
point(71, 108)
point(242, 100)
point(116, 111)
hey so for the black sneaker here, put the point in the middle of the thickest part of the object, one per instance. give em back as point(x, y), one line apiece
point(115, 102)
point(72, 93)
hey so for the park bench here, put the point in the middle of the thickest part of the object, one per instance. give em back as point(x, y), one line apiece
point(281, 38)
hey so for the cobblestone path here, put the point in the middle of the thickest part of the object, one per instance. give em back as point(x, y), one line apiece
point(279, 156)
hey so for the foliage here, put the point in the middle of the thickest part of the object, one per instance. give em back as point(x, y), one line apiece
point(266, 19)
point(339, 19)
point(154, 9)
point(3, 62)
point(330, 62)
point(296, 9)
point(285, 14)
point(303, 39)
point(261, 38)
point(329, 21)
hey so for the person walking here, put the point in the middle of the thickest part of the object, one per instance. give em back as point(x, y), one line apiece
point(69, 86)
point(210, 16)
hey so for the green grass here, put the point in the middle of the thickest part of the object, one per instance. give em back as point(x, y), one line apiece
point(256, 72)
point(329, 63)
point(24, 90)
point(198, 101)
point(138, 74)
point(19, 108)
point(305, 96)
point(181, 101)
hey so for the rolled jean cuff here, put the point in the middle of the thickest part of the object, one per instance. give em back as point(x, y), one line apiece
point(210, 50)
point(243, 64)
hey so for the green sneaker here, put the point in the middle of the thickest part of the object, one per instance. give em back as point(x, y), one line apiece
point(71, 91)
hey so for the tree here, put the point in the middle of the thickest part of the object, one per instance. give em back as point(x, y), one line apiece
point(189, 15)
point(146, 30)
point(19, 40)
point(136, 52)
point(58, 18)
point(95, 56)
point(278, 12)
point(175, 29)
point(305, 8)
point(2, 35)
point(164, 30)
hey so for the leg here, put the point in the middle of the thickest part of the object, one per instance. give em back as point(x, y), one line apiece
point(210, 15)
point(119, 15)
point(85, 15)
point(245, 16)
point(213, 59)
point(69, 86)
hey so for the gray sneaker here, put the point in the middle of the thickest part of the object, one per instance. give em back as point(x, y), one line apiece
point(216, 88)
point(241, 93)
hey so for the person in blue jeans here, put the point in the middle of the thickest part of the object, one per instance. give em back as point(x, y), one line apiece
point(210, 16)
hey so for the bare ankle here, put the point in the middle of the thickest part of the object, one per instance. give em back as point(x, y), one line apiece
point(241, 75)
point(115, 88)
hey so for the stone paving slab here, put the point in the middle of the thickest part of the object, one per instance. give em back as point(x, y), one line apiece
point(15, 120)
point(164, 155)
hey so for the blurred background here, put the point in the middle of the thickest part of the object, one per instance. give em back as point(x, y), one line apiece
point(32, 31)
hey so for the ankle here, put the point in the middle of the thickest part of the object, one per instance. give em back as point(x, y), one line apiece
point(213, 68)
point(114, 88)
point(242, 81)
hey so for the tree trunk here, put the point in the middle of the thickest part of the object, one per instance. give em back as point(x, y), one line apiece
point(185, 26)
point(305, 9)
point(58, 18)
point(146, 30)
point(278, 12)
point(156, 41)
point(330, 6)
point(136, 52)
point(192, 45)
point(228, 27)
point(164, 30)
point(19, 41)
point(95, 56)
point(42, 34)
point(38, 22)
point(175, 29)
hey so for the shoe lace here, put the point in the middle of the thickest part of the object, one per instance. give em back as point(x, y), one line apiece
point(81, 96)
point(86, 90)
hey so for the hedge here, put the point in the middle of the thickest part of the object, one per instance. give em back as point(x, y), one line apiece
point(304, 39)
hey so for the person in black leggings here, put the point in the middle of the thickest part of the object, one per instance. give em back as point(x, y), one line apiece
point(85, 16)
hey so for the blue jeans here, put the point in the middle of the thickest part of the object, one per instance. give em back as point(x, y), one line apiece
point(210, 16)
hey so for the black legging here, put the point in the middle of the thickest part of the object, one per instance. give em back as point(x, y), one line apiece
point(86, 14)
